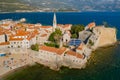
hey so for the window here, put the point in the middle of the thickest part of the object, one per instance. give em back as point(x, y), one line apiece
point(73, 60)
point(66, 40)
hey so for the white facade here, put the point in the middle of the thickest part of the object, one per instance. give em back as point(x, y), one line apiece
point(84, 51)
point(73, 60)
point(42, 38)
point(2, 38)
point(66, 37)
point(50, 56)
point(23, 39)
point(20, 44)
point(64, 28)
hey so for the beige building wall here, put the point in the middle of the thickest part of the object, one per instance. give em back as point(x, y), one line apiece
point(73, 62)
point(106, 36)
point(19, 44)
point(2, 38)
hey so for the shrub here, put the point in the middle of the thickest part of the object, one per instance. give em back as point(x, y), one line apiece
point(52, 45)
point(35, 47)
point(91, 42)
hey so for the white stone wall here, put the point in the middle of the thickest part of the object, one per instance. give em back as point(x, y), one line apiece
point(53, 59)
point(2, 38)
point(33, 41)
point(19, 44)
point(50, 59)
point(73, 62)
point(42, 40)
point(103, 36)
point(79, 51)
point(66, 38)
point(4, 46)
point(26, 43)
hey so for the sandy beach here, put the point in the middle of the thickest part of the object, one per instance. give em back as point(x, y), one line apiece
point(12, 62)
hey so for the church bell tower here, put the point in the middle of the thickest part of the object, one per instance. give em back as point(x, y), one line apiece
point(54, 22)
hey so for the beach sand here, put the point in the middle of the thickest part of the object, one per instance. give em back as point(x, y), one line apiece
point(13, 62)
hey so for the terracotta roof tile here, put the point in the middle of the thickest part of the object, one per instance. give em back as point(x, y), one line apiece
point(45, 26)
point(90, 25)
point(52, 49)
point(43, 35)
point(22, 33)
point(81, 46)
point(4, 43)
point(15, 39)
point(5, 24)
point(75, 54)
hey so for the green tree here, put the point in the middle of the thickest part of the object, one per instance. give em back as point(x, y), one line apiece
point(76, 29)
point(91, 42)
point(105, 24)
point(51, 37)
point(74, 35)
point(52, 45)
point(55, 36)
point(35, 47)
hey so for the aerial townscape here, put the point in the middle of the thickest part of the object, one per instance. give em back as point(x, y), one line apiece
point(54, 46)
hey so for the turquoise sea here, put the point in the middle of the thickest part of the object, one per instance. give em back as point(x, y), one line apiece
point(104, 63)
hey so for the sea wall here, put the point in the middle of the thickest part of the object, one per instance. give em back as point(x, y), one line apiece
point(107, 37)
point(58, 61)
point(103, 36)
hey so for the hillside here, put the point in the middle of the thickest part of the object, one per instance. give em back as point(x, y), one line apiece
point(14, 6)
point(81, 5)
point(59, 5)
point(50, 5)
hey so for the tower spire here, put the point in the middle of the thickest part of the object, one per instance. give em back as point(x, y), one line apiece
point(54, 21)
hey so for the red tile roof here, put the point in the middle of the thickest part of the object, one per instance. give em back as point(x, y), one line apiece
point(15, 39)
point(92, 24)
point(5, 24)
point(43, 35)
point(80, 47)
point(52, 49)
point(75, 54)
point(45, 26)
point(22, 33)
point(4, 43)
